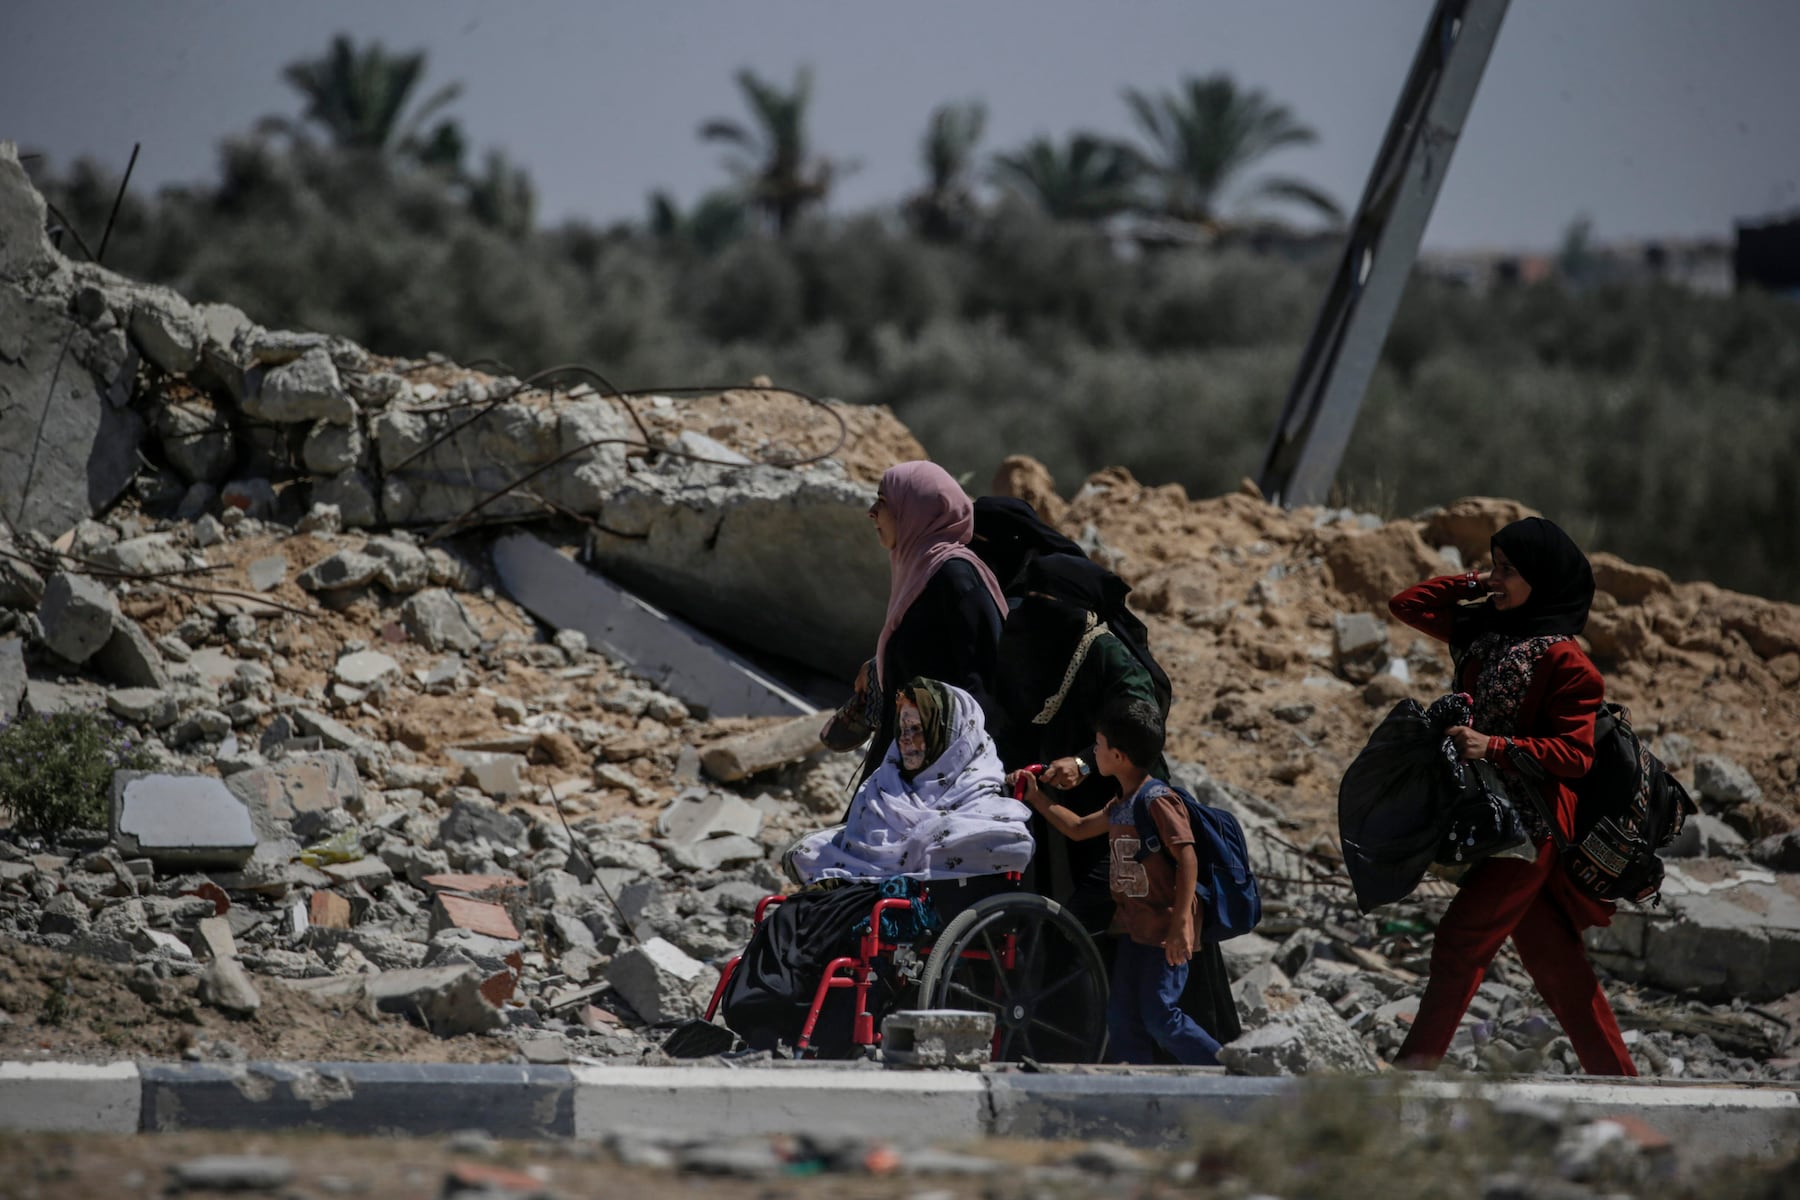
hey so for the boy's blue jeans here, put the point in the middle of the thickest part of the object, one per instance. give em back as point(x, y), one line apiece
point(1144, 1010)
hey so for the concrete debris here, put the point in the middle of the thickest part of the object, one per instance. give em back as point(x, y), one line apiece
point(680, 659)
point(180, 820)
point(78, 615)
point(364, 765)
point(937, 1037)
point(659, 980)
point(233, 1173)
point(438, 621)
point(748, 754)
point(226, 986)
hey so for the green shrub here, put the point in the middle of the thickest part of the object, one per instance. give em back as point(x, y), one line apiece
point(55, 770)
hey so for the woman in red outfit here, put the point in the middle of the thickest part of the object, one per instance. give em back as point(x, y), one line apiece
point(1512, 638)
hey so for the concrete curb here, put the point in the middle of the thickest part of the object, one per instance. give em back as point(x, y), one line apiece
point(53, 1097)
point(1158, 1107)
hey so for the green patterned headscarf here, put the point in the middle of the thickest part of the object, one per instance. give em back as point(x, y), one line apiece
point(935, 712)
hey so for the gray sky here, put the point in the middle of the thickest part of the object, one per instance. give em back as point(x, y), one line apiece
point(1657, 117)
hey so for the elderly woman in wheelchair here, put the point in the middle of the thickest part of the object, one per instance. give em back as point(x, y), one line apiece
point(916, 899)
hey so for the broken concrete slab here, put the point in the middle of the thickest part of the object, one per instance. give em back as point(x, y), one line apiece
point(267, 573)
point(130, 658)
point(1724, 930)
point(143, 706)
point(447, 999)
point(759, 750)
point(66, 451)
point(215, 934)
point(368, 872)
point(498, 775)
point(180, 820)
point(678, 658)
point(365, 668)
point(473, 820)
point(738, 549)
point(695, 816)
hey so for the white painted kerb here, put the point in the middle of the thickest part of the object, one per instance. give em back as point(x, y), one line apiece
point(721, 1102)
point(70, 1097)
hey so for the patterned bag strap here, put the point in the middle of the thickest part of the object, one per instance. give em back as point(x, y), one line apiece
point(1095, 628)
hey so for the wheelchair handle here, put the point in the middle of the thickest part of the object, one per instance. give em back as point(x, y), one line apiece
point(1019, 787)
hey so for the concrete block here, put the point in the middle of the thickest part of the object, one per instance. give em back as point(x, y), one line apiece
point(368, 872)
point(51, 1097)
point(365, 1099)
point(130, 658)
point(497, 774)
point(679, 659)
point(436, 619)
point(937, 1037)
point(759, 750)
point(658, 979)
point(180, 820)
point(727, 1103)
point(78, 615)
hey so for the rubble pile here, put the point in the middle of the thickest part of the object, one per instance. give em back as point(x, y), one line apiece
point(371, 783)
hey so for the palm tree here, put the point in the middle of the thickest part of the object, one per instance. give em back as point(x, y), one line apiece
point(360, 98)
point(1207, 133)
point(1088, 179)
point(942, 210)
point(772, 159)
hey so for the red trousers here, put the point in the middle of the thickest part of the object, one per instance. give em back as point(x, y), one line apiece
point(1527, 901)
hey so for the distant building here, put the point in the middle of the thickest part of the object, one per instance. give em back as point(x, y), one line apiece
point(1768, 256)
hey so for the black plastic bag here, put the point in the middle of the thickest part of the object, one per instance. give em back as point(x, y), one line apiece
point(1409, 800)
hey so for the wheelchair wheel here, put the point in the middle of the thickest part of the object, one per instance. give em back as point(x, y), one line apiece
point(1025, 959)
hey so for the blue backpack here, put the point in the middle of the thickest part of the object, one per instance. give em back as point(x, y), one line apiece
point(1226, 883)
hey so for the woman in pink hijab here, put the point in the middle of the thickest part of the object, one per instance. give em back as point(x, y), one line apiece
point(944, 605)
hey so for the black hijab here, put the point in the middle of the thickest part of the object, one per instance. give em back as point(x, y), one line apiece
point(1561, 579)
point(1081, 582)
point(1008, 532)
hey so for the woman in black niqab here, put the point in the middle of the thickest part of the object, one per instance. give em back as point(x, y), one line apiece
point(1009, 533)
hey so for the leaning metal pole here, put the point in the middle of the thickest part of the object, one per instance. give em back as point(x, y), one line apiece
point(1340, 356)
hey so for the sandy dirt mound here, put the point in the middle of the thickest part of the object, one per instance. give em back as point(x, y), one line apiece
point(72, 1007)
point(1241, 598)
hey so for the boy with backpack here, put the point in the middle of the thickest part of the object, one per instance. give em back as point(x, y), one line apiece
point(1158, 914)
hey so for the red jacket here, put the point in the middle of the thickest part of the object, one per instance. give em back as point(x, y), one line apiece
point(1556, 718)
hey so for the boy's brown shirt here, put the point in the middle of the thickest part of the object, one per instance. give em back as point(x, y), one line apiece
point(1144, 892)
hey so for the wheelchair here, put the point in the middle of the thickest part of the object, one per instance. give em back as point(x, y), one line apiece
point(1013, 953)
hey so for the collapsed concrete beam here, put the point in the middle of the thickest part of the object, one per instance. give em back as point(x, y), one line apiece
point(746, 754)
point(680, 660)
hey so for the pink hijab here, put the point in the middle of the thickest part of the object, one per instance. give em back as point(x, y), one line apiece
point(933, 522)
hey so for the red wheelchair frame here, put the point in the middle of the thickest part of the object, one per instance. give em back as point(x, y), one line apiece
point(858, 972)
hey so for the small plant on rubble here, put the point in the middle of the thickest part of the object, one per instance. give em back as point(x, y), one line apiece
point(55, 769)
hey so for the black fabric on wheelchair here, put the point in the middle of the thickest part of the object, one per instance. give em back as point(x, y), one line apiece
point(772, 989)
